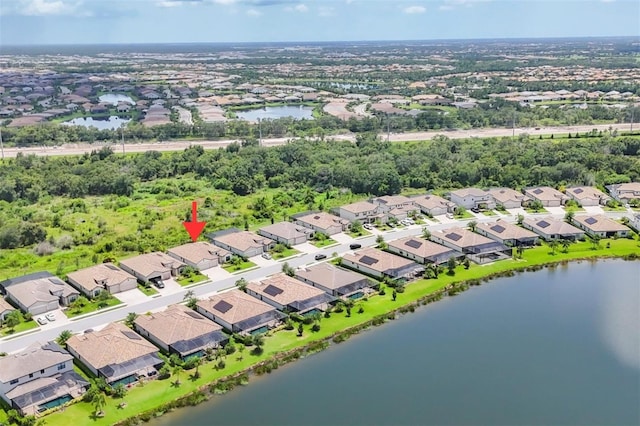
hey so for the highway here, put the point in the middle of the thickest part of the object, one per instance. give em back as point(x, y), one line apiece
point(53, 330)
point(178, 145)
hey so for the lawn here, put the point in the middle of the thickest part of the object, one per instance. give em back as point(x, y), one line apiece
point(284, 254)
point(363, 232)
point(324, 243)
point(465, 215)
point(92, 306)
point(196, 278)
point(149, 291)
point(23, 326)
point(155, 393)
point(540, 210)
point(489, 213)
point(245, 264)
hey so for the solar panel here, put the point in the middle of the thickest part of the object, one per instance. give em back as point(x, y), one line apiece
point(538, 191)
point(498, 228)
point(112, 267)
point(272, 290)
point(195, 315)
point(222, 306)
point(543, 224)
point(578, 191)
point(453, 236)
point(414, 244)
point(131, 335)
point(368, 260)
point(591, 220)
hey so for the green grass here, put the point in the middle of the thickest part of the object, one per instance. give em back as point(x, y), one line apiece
point(23, 326)
point(361, 233)
point(195, 278)
point(92, 306)
point(155, 393)
point(489, 213)
point(614, 209)
point(465, 215)
point(239, 267)
point(286, 253)
point(573, 209)
point(541, 210)
point(149, 291)
point(323, 243)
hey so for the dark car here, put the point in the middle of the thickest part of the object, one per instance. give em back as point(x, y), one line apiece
point(321, 256)
point(355, 246)
point(158, 283)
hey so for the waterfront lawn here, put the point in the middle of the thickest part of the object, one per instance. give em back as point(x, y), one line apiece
point(324, 243)
point(92, 306)
point(157, 392)
point(23, 326)
point(288, 252)
point(245, 264)
point(149, 291)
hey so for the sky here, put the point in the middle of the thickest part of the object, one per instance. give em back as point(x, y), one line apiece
point(184, 21)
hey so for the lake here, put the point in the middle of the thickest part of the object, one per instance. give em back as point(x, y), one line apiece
point(109, 123)
point(558, 346)
point(115, 98)
point(271, 113)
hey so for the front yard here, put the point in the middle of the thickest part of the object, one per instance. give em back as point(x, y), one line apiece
point(287, 252)
point(238, 266)
point(23, 326)
point(192, 279)
point(323, 243)
point(91, 306)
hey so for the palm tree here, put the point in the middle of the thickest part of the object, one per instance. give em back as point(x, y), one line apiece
point(426, 234)
point(568, 217)
point(63, 337)
point(519, 219)
point(197, 362)
point(553, 244)
point(565, 245)
point(177, 369)
point(131, 317)
point(191, 299)
point(258, 341)
point(242, 284)
point(99, 401)
point(472, 225)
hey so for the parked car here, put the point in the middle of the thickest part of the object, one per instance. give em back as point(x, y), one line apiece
point(321, 256)
point(42, 320)
point(50, 316)
point(449, 215)
point(158, 283)
point(367, 226)
point(355, 246)
point(266, 256)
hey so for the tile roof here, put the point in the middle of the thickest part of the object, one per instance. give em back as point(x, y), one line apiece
point(431, 202)
point(599, 223)
point(584, 192)
point(359, 207)
point(34, 358)
point(31, 291)
point(420, 247)
point(322, 220)
point(284, 289)
point(102, 275)
point(475, 192)
point(176, 323)
point(198, 251)
point(552, 226)
point(393, 200)
point(243, 240)
point(238, 306)
point(462, 237)
point(378, 260)
point(502, 195)
point(147, 264)
point(5, 306)
point(285, 230)
point(329, 276)
point(114, 344)
point(506, 230)
point(545, 193)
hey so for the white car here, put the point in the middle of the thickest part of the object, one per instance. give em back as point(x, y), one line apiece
point(42, 320)
point(367, 226)
point(266, 256)
point(50, 316)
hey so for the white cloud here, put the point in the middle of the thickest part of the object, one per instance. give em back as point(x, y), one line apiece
point(253, 12)
point(300, 8)
point(451, 4)
point(47, 7)
point(608, 1)
point(175, 3)
point(224, 1)
point(413, 10)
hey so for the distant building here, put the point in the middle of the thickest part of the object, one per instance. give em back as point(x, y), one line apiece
point(508, 198)
point(395, 206)
point(588, 196)
point(325, 223)
point(362, 211)
point(39, 292)
point(549, 197)
point(242, 243)
point(286, 233)
point(601, 226)
point(152, 266)
point(473, 198)
point(476, 247)
point(434, 205)
point(625, 192)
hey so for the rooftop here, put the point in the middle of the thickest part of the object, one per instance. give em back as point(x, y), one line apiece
point(378, 260)
point(286, 230)
point(545, 193)
point(176, 323)
point(234, 306)
point(552, 226)
point(329, 276)
point(465, 192)
point(322, 220)
point(393, 200)
point(284, 289)
point(600, 223)
point(502, 195)
point(420, 247)
point(462, 237)
point(506, 230)
point(359, 207)
point(29, 290)
point(34, 358)
point(147, 264)
point(102, 276)
point(243, 240)
point(586, 192)
point(431, 201)
point(198, 251)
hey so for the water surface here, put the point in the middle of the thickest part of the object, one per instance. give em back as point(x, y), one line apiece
point(297, 112)
point(105, 123)
point(115, 98)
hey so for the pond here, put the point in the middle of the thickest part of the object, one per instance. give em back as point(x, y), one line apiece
point(115, 98)
point(297, 112)
point(104, 123)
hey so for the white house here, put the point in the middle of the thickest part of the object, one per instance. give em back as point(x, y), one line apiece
point(601, 226)
point(396, 206)
point(362, 211)
point(473, 198)
point(625, 192)
point(433, 205)
point(242, 243)
point(550, 228)
point(152, 266)
point(102, 277)
point(587, 196)
point(200, 255)
point(286, 233)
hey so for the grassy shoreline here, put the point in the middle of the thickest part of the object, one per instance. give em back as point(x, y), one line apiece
point(156, 397)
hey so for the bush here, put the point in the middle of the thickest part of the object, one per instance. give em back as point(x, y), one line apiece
point(44, 248)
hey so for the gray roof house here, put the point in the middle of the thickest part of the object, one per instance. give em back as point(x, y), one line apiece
point(5, 309)
point(39, 292)
point(38, 378)
point(625, 192)
point(105, 276)
point(289, 294)
point(550, 228)
point(325, 223)
point(549, 197)
point(378, 263)
point(286, 233)
point(421, 250)
point(336, 281)
point(433, 205)
point(116, 353)
point(180, 330)
point(507, 233)
point(200, 255)
point(152, 266)
point(478, 248)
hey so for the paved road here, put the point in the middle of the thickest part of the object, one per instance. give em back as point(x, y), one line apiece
point(82, 148)
point(53, 330)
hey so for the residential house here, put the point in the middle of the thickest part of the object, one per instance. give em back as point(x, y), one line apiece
point(433, 205)
point(421, 250)
point(336, 281)
point(396, 206)
point(39, 292)
point(473, 198)
point(38, 378)
point(507, 233)
point(325, 223)
point(116, 353)
point(550, 228)
point(289, 294)
point(238, 312)
point(508, 198)
point(476, 247)
point(601, 226)
point(286, 233)
point(200, 255)
point(180, 330)
point(625, 192)
point(242, 243)
point(587, 196)
point(103, 277)
point(362, 211)
point(5, 309)
point(635, 222)
point(152, 266)
point(549, 197)
point(378, 264)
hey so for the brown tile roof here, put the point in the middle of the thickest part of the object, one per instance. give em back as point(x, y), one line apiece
point(243, 240)
point(176, 323)
point(469, 191)
point(286, 230)
point(393, 200)
point(505, 230)
point(242, 307)
point(359, 207)
point(461, 237)
point(148, 263)
point(104, 274)
point(431, 202)
point(329, 276)
point(322, 220)
point(5, 306)
point(600, 223)
point(382, 261)
point(502, 195)
point(286, 289)
point(545, 193)
point(552, 226)
point(419, 247)
point(34, 358)
point(199, 251)
point(114, 344)
point(584, 192)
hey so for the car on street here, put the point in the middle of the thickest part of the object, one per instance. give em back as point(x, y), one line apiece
point(355, 246)
point(50, 316)
point(42, 320)
point(321, 256)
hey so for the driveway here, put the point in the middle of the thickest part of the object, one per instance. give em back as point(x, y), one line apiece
point(444, 219)
point(131, 297)
point(342, 238)
point(517, 211)
point(556, 211)
point(261, 261)
point(216, 273)
point(593, 210)
point(307, 248)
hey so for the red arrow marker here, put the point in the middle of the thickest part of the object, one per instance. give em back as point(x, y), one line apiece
point(194, 228)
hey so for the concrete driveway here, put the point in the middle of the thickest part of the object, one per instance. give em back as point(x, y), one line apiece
point(556, 211)
point(593, 210)
point(342, 238)
point(216, 273)
point(444, 219)
point(517, 211)
point(132, 297)
point(261, 261)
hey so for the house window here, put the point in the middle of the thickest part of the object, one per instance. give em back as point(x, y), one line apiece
point(62, 366)
point(14, 381)
point(31, 375)
point(41, 371)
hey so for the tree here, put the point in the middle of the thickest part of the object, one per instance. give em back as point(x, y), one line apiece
point(595, 241)
point(191, 299)
point(466, 263)
point(394, 295)
point(380, 241)
point(130, 319)
point(258, 342)
point(553, 245)
point(565, 245)
point(451, 266)
point(568, 217)
point(103, 298)
point(300, 330)
point(426, 234)
point(472, 225)
point(119, 391)
point(519, 219)
point(175, 371)
point(63, 337)
point(356, 227)
point(79, 303)
point(242, 284)
point(288, 269)
point(12, 320)
point(99, 401)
